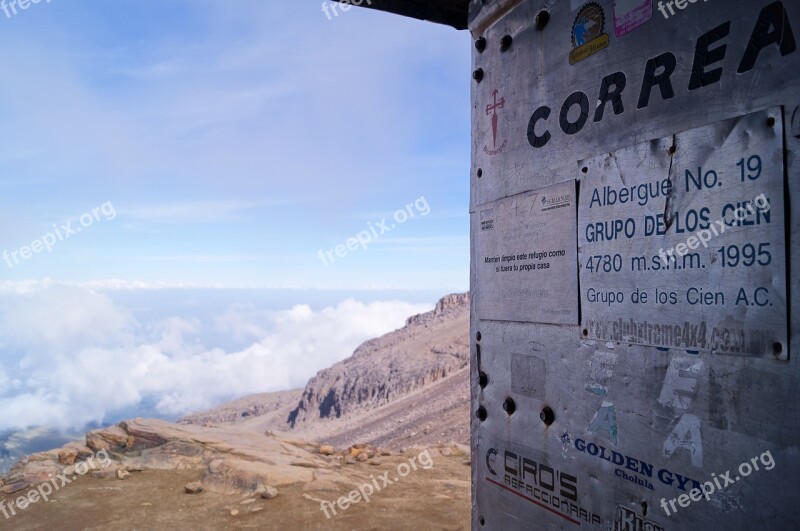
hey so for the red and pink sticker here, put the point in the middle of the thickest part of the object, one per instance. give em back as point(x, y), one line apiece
point(631, 14)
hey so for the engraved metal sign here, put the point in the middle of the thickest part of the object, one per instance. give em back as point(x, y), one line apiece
point(526, 242)
point(682, 240)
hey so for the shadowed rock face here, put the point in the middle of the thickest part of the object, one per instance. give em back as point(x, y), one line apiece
point(430, 347)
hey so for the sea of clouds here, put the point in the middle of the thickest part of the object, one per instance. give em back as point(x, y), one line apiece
point(72, 355)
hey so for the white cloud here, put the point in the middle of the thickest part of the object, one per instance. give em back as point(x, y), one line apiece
point(71, 356)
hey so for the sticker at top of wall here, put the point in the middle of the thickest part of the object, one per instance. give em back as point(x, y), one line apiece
point(588, 33)
point(631, 14)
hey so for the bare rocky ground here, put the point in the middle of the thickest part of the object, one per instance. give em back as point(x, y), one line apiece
point(155, 500)
point(244, 481)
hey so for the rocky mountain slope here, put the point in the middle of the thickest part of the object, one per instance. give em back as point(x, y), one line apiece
point(407, 387)
point(271, 407)
point(430, 347)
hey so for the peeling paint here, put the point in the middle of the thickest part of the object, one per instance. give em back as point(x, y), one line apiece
point(605, 420)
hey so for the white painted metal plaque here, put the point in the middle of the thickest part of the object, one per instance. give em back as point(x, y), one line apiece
point(682, 240)
point(527, 257)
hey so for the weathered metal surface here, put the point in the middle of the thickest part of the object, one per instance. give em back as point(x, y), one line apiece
point(524, 243)
point(535, 79)
point(634, 427)
point(682, 240)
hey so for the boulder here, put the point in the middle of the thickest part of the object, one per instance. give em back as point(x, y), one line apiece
point(327, 449)
point(113, 439)
point(238, 476)
point(268, 492)
point(67, 456)
point(193, 488)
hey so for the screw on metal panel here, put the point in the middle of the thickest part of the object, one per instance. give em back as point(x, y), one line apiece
point(585, 169)
point(481, 520)
point(585, 332)
point(483, 379)
point(777, 348)
point(477, 75)
point(547, 415)
point(480, 44)
point(480, 173)
point(672, 149)
point(505, 43)
point(481, 413)
point(478, 335)
point(770, 122)
point(509, 406)
point(542, 19)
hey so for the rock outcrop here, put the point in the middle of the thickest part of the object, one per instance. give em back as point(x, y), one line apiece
point(233, 461)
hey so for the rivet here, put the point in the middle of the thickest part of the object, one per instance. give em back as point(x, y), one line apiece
point(477, 75)
point(505, 43)
point(478, 335)
point(480, 44)
point(483, 379)
point(509, 406)
point(481, 413)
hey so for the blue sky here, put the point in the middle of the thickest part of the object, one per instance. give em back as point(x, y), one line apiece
point(235, 139)
point(231, 141)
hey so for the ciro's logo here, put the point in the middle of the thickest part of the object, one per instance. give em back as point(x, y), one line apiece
point(491, 459)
